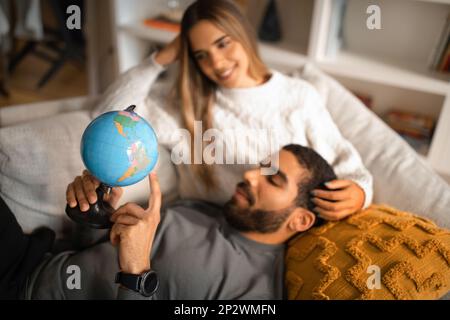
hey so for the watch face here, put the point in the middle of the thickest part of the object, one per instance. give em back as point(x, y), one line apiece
point(150, 283)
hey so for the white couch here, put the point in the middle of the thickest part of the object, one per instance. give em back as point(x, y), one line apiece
point(39, 156)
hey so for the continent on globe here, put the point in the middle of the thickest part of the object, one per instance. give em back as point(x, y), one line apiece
point(125, 119)
point(138, 159)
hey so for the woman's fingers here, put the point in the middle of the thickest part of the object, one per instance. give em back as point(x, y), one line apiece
point(338, 184)
point(332, 206)
point(333, 215)
point(331, 195)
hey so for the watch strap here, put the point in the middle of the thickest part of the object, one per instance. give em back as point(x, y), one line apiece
point(129, 281)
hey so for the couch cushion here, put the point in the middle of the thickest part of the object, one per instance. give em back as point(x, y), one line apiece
point(401, 178)
point(340, 260)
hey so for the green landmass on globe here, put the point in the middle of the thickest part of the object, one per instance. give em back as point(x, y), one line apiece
point(137, 155)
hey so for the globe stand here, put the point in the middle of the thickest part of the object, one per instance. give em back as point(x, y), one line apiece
point(99, 214)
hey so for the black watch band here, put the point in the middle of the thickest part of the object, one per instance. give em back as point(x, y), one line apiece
point(146, 283)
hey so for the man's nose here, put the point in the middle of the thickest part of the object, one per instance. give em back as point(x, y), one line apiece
point(251, 177)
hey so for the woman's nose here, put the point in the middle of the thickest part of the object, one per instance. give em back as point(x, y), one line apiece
point(216, 61)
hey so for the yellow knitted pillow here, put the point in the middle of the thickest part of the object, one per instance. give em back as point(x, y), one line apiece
point(377, 253)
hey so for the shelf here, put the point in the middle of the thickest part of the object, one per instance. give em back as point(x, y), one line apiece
point(282, 56)
point(395, 73)
point(279, 55)
point(139, 30)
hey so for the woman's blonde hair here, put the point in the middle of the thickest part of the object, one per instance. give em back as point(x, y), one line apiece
point(194, 91)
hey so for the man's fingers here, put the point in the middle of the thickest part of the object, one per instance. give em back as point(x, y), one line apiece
point(332, 215)
point(338, 184)
point(70, 196)
point(331, 195)
point(154, 202)
point(80, 195)
point(127, 220)
point(332, 206)
point(89, 187)
point(131, 209)
point(114, 235)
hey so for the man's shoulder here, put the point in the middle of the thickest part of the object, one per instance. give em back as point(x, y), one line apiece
point(198, 206)
point(191, 216)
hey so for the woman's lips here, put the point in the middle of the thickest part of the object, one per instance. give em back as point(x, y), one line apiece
point(223, 76)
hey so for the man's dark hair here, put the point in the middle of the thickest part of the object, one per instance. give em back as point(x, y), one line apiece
point(318, 173)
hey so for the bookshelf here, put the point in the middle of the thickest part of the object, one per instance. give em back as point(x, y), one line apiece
point(390, 65)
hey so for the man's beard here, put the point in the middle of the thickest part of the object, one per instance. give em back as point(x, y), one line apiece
point(248, 220)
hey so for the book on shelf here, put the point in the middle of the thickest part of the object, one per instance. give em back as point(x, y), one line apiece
point(445, 61)
point(420, 145)
point(169, 21)
point(410, 124)
point(441, 51)
point(416, 129)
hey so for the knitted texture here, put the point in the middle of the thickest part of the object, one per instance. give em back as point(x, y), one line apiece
point(335, 261)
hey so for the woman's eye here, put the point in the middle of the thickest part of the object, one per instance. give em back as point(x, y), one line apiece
point(199, 56)
point(224, 43)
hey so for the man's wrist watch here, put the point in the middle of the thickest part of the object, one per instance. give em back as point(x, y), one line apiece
point(146, 283)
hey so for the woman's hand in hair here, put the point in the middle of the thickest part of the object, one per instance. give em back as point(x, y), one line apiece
point(343, 198)
point(169, 54)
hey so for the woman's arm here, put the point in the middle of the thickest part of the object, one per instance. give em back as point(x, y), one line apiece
point(325, 138)
point(132, 87)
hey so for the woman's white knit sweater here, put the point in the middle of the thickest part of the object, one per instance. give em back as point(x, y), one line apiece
point(286, 109)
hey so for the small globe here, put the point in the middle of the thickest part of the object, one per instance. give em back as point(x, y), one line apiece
point(119, 148)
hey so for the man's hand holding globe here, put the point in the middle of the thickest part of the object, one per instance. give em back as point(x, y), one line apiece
point(82, 191)
point(119, 148)
point(134, 227)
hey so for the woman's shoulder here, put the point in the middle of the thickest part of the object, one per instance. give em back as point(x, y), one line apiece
point(297, 87)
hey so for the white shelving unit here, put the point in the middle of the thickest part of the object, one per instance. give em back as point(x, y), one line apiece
point(390, 64)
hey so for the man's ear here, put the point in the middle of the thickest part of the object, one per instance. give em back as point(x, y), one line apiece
point(301, 220)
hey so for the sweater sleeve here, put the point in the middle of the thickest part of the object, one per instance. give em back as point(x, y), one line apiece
point(325, 138)
point(132, 88)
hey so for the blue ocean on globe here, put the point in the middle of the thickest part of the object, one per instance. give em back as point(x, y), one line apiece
point(119, 148)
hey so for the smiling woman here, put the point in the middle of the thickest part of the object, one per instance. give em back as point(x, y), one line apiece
point(223, 84)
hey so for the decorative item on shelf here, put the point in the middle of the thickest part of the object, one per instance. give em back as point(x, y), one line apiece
point(415, 128)
point(365, 98)
point(335, 35)
point(163, 22)
point(170, 20)
point(270, 29)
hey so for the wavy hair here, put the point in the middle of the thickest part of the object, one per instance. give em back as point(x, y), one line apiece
point(195, 93)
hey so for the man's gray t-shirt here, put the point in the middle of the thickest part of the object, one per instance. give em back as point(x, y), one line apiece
point(196, 254)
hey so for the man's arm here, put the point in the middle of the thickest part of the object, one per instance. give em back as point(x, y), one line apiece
point(133, 232)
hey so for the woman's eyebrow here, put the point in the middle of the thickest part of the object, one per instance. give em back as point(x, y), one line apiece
point(215, 42)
